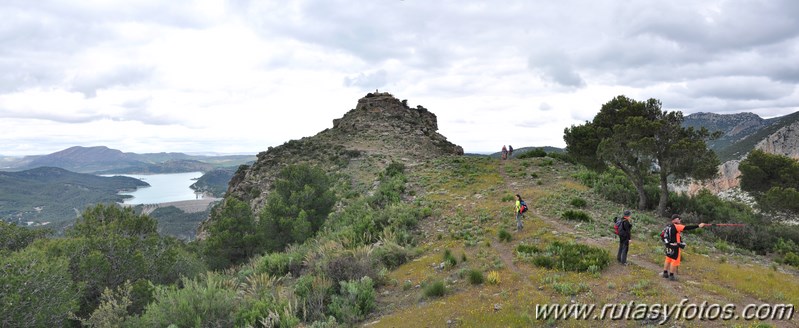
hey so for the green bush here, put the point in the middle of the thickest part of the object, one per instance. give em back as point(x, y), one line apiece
point(314, 292)
point(791, 259)
point(109, 245)
point(205, 302)
point(527, 249)
point(232, 236)
point(475, 277)
point(563, 157)
point(508, 198)
point(576, 216)
point(36, 290)
point(13, 237)
point(578, 202)
point(355, 301)
point(281, 263)
point(535, 153)
point(572, 257)
point(504, 235)
point(435, 289)
point(297, 207)
point(449, 259)
point(391, 255)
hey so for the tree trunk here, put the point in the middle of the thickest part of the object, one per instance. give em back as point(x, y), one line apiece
point(639, 185)
point(664, 195)
point(638, 182)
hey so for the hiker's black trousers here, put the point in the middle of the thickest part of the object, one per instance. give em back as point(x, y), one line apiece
point(624, 246)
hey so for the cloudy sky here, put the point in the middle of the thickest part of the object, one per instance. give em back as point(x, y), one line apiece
point(238, 76)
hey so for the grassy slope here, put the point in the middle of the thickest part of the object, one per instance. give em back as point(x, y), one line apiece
point(471, 212)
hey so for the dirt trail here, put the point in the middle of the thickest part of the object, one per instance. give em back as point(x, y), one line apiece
point(505, 253)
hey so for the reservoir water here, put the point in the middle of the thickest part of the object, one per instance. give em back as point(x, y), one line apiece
point(163, 188)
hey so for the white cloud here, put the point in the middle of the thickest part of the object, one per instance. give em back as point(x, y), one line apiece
point(240, 76)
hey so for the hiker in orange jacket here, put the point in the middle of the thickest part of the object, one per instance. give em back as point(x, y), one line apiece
point(673, 241)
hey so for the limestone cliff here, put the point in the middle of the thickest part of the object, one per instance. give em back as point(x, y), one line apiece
point(783, 142)
point(380, 129)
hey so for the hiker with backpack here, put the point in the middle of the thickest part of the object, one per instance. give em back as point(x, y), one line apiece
point(672, 240)
point(504, 152)
point(623, 228)
point(510, 151)
point(521, 208)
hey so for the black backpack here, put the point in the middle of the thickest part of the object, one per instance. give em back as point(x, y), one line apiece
point(665, 234)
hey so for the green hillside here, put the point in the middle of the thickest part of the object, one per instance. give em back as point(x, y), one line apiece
point(433, 245)
point(55, 195)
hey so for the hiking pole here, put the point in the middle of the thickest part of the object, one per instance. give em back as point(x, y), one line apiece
point(727, 224)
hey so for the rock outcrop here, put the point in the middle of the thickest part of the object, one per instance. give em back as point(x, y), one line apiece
point(783, 142)
point(380, 129)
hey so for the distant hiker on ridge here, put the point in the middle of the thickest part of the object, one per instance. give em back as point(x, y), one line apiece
point(504, 152)
point(510, 151)
point(673, 241)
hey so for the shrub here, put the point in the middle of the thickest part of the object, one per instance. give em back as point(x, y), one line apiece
point(475, 277)
point(203, 302)
point(348, 266)
point(573, 257)
point(391, 254)
point(537, 152)
point(449, 259)
point(578, 202)
point(527, 249)
point(508, 198)
point(13, 237)
point(36, 290)
point(576, 216)
point(504, 235)
point(313, 292)
point(791, 259)
point(493, 278)
point(435, 289)
point(281, 263)
point(356, 300)
point(564, 157)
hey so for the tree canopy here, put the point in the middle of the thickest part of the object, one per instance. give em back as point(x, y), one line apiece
point(772, 179)
point(639, 138)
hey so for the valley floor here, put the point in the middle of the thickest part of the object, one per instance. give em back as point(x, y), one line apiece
point(473, 200)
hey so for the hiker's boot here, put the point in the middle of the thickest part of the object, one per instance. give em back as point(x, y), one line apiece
point(666, 275)
point(673, 278)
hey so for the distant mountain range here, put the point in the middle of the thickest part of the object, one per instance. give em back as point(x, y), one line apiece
point(740, 132)
point(104, 160)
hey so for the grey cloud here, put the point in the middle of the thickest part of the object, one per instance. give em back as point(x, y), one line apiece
point(555, 66)
point(376, 79)
point(737, 88)
point(545, 107)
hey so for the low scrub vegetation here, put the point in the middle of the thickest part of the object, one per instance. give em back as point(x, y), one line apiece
point(572, 257)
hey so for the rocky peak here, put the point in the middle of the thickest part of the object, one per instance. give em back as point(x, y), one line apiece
point(379, 110)
point(380, 129)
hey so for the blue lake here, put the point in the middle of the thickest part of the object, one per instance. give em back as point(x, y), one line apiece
point(163, 188)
